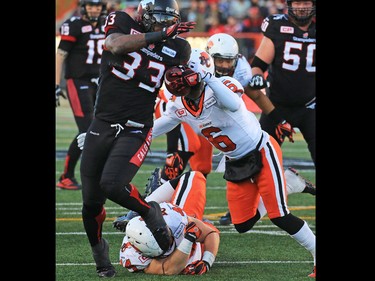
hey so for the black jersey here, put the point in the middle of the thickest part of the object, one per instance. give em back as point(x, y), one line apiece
point(129, 83)
point(292, 72)
point(84, 45)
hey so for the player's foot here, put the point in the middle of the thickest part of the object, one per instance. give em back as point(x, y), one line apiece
point(100, 253)
point(297, 184)
point(121, 222)
point(313, 274)
point(68, 183)
point(107, 272)
point(153, 182)
point(156, 223)
point(226, 219)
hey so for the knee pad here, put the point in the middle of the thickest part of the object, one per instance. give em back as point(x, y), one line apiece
point(247, 225)
point(289, 223)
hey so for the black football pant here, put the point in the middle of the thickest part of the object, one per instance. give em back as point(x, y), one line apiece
point(81, 95)
point(110, 159)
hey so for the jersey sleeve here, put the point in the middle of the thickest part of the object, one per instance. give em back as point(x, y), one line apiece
point(118, 22)
point(270, 25)
point(70, 31)
point(131, 259)
point(243, 71)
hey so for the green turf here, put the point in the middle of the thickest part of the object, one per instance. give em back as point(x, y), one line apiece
point(264, 254)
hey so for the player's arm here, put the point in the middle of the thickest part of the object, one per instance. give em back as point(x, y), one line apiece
point(163, 125)
point(60, 58)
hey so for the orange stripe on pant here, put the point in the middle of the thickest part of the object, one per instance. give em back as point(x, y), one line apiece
point(243, 197)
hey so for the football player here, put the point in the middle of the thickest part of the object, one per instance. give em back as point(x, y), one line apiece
point(137, 52)
point(253, 158)
point(80, 48)
point(228, 61)
point(195, 243)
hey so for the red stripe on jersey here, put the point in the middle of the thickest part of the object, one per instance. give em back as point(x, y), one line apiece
point(68, 38)
point(74, 99)
point(140, 155)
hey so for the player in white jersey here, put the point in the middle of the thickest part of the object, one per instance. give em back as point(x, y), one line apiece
point(229, 62)
point(195, 243)
point(253, 167)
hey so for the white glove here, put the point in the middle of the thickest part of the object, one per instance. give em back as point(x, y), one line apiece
point(81, 140)
point(197, 67)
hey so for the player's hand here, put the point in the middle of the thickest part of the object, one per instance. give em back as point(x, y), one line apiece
point(192, 232)
point(81, 140)
point(284, 129)
point(257, 82)
point(174, 165)
point(177, 28)
point(197, 67)
point(198, 267)
point(59, 93)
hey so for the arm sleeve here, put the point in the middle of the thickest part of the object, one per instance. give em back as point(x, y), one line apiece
point(163, 125)
point(225, 95)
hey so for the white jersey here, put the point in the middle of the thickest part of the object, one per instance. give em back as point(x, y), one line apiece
point(222, 118)
point(243, 72)
point(176, 220)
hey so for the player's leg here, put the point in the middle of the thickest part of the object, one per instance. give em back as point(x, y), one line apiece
point(272, 187)
point(202, 159)
point(81, 95)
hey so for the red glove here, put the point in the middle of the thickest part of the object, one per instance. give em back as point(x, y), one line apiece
point(284, 129)
point(196, 268)
point(177, 28)
point(192, 232)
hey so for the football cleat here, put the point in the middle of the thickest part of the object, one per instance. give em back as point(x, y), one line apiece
point(68, 183)
point(313, 274)
point(100, 253)
point(156, 223)
point(295, 183)
point(107, 272)
point(226, 219)
point(153, 182)
point(120, 222)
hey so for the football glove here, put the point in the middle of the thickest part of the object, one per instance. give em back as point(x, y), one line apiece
point(257, 82)
point(178, 80)
point(59, 93)
point(174, 165)
point(284, 129)
point(81, 140)
point(121, 222)
point(197, 67)
point(192, 232)
point(177, 28)
point(198, 267)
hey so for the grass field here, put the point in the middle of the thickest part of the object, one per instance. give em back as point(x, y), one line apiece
point(264, 254)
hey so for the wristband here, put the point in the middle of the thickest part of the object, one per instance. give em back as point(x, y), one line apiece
point(153, 37)
point(276, 116)
point(185, 246)
point(209, 258)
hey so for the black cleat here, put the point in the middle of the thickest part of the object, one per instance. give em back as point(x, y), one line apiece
point(226, 219)
point(156, 223)
point(107, 272)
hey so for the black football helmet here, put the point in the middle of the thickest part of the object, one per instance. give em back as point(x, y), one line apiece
point(301, 20)
point(162, 12)
point(83, 3)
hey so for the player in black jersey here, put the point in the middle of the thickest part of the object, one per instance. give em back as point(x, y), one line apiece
point(287, 51)
point(137, 52)
point(80, 48)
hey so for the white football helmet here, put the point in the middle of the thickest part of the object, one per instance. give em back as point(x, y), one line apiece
point(140, 236)
point(203, 58)
point(222, 45)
